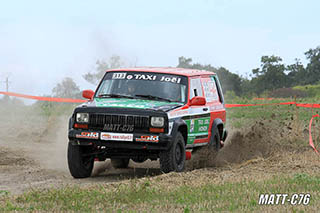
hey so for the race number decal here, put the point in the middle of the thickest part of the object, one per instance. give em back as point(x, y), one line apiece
point(119, 75)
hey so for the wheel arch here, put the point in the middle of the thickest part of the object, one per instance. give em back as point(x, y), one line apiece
point(218, 124)
point(180, 125)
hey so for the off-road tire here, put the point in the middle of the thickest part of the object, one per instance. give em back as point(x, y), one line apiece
point(121, 163)
point(215, 141)
point(174, 158)
point(79, 166)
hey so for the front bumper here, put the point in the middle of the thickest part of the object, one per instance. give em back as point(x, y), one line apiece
point(115, 140)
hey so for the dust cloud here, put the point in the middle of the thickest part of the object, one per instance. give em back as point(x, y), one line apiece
point(257, 141)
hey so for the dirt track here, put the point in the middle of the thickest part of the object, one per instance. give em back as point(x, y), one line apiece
point(33, 155)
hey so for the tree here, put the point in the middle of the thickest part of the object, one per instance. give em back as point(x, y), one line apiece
point(66, 89)
point(229, 81)
point(296, 73)
point(313, 67)
point(271, 75)
point(101, 66)
point(184, 62)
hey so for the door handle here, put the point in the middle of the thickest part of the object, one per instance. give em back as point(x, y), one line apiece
point(205, 109)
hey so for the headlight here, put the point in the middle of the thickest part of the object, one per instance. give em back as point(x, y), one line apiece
point(82, 118)
point(157, 121)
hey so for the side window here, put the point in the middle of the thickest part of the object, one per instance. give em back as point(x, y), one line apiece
point(216, 79)
point(195, 87)
point(210, 89)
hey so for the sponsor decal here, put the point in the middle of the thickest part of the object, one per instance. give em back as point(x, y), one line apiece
point(88, 135)
point(109, 136)
point(148, 138)
point(216, 107)
point(170, 127)
point(144, 77)
point(192, 125)
point(178, 113)
point(209, 88)
point(203, 128)
point(196, 116)
point(170, 79)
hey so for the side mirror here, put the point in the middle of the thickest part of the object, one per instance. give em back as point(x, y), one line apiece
point(88, 94)
point(198, 101)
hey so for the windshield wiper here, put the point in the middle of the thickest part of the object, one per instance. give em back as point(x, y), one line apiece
point(153, 97)
point(114, 96)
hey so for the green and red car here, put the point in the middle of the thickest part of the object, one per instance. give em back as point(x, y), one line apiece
point(147, 113)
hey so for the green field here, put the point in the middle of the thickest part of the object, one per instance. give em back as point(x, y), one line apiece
point(146, 195)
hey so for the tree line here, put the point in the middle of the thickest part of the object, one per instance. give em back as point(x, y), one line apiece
point(273, 74)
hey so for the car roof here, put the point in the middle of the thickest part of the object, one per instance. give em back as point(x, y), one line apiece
point(168, 70)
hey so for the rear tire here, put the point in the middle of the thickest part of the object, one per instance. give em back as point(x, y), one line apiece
point(174, 158)
point(79, 166)
point(121, 163)
point(215, 142)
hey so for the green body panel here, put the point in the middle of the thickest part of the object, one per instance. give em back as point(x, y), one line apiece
point(130, 103)
point(197, 127)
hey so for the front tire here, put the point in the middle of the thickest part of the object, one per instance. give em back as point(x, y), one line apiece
point(174, 158)
point(80, 166)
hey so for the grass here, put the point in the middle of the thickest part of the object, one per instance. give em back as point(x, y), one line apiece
point(241, 116)
point(146, 196)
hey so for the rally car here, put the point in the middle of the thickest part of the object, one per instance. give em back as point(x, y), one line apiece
point(147, 113)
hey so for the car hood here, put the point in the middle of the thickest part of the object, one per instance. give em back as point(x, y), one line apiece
point(132, 103)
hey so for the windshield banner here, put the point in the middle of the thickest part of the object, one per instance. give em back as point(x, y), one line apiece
point(147, 77)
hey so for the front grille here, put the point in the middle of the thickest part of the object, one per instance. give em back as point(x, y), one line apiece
point(100, 121)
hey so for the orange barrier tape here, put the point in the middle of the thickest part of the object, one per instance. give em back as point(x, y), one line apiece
point(308, 105)
point(70, 100)
point(310, 135)
point(305, 105)
point(39, 98)
point(243, 105)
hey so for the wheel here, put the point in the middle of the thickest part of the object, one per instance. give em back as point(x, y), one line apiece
point(174, 158)
point(214, 143)
point(120, 163)
point(80, 166)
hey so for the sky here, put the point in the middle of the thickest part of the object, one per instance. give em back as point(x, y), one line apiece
point(42, 42)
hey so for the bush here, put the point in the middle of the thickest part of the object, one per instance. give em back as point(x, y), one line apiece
point(288, 93)
point(312, 91)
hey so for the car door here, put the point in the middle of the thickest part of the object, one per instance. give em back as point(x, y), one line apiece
point(199, 116)
point(214, 98)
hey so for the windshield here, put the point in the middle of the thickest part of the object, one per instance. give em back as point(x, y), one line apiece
point(153, 86)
